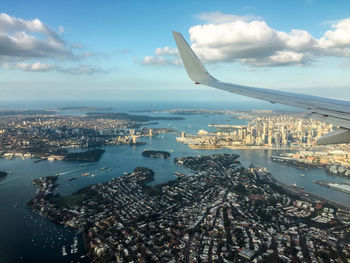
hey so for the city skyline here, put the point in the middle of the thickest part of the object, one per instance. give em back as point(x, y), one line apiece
point(125, 51)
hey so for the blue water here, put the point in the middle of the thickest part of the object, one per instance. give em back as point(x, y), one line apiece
point(27, 237)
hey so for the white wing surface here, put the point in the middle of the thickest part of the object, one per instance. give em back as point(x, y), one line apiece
point(319, 108)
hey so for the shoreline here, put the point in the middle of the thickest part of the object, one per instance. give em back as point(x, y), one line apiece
point(307, 195)
point(306, 166)
point(331, 185)
point(215, 147)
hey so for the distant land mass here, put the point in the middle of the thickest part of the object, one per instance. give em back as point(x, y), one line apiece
point(84, 108)
point(126, 116)
point(156, 154)
point(27, 112)
point(87, 156)
point(186, 111)
point(2, 174)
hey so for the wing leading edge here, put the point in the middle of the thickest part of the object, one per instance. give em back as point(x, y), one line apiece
point(324, 109)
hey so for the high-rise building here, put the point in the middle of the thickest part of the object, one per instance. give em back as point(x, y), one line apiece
point(269, 140)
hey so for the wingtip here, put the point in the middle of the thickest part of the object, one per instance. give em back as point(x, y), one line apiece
point(194, 67)
point(175, 33)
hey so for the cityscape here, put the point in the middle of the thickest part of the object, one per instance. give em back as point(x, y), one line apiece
point(174, 131)
point(220, 211)
point(265, 130)
point(49, 135)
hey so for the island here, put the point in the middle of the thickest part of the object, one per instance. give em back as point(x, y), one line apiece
point(156, 154)
point(220, 211)
point(87, 156)
point(2, 174)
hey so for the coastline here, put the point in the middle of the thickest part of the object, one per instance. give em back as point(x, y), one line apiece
point(332, 185)
point(308, 196)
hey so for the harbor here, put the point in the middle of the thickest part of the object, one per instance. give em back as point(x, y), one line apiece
point(115, 162)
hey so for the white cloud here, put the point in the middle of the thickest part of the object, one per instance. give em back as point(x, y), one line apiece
point(218, 17)
point(82, 70)
point(339, 37)
point(233, 40)
point(230, 38)
point(18, 38)
point(160, 61)
point(166, 51)
point(29, 67)
point(24, 40)
point(280, 58)
point(42, 67)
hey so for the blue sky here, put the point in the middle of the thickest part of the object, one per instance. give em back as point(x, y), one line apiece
point(124, 50)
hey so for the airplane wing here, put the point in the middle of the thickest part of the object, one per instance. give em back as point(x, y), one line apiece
point(319, 108)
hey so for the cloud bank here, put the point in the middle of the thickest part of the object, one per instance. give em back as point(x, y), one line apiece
point(22, 40)
point(42, 67)
point(30, 39)
point(251, 41)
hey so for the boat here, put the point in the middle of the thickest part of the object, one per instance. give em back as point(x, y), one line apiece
point(64, 252)
point(104, 168)
point(85, 174)
point(178, 174)
point(302, 174)
point(93, 175)
point(72, 178)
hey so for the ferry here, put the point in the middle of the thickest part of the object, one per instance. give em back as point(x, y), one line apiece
point(85, 174)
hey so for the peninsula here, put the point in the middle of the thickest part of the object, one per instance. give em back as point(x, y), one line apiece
point(87, 156)
point(222, 211)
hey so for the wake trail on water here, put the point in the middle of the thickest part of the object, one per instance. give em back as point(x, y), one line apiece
point(83, 164)
point(9, 180)
point(71, 171)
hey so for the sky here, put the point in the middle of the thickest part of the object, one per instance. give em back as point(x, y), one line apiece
point(124, 50)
